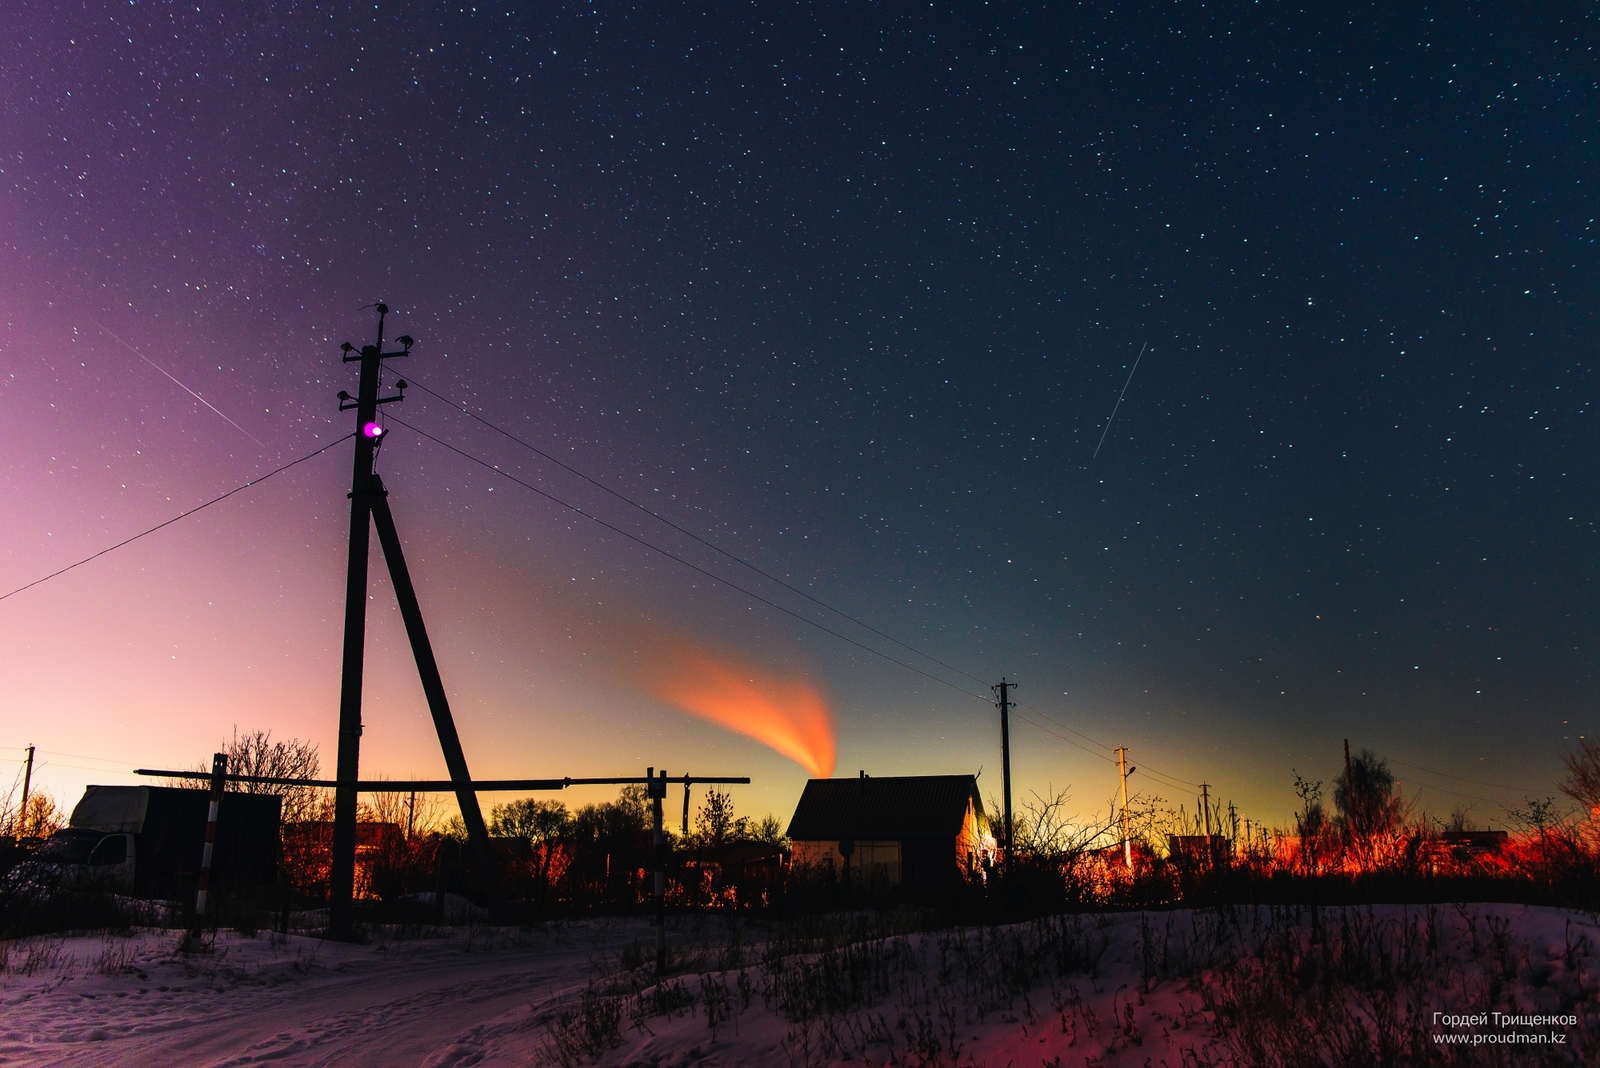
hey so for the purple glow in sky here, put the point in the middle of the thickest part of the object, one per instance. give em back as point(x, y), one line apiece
point(846, 293)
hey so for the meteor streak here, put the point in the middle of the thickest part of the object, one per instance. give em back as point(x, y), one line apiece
point(1117, 405)
point(183, 387)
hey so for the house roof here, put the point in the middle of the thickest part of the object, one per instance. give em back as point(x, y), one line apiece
point(888, 808)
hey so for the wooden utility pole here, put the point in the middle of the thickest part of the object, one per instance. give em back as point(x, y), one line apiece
point(27, 781)
point(369, 506)
point(686, 807)
point(658, 794)
point(1122, 767)
point(1004, 704)
point(219, 773)
point(1205, 809)
point(1349, 793)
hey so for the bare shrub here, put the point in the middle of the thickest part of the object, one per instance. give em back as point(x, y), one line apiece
point(116, 958)
point(39, 956)
point(714, 999)
point(578, 1035)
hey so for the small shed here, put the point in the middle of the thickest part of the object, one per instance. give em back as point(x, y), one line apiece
point(922, 833)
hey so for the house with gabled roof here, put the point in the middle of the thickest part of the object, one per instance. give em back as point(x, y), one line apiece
point(920, 833)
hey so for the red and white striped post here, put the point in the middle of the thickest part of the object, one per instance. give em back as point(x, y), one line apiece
point(219, 768)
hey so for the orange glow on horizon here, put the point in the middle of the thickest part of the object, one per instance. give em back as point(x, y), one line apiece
point(787, 714)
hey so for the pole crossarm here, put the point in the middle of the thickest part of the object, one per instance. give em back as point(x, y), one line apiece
point(381, 786)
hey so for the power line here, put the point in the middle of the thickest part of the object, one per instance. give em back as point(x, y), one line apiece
point(86, 756)
point(174, 519)
point(769, 576)
point(1162, 779)
point(464, 410)
point(1457, 793)
point(41, 765)
point(1461, 778)
point(686, 563)
point(1061, 738)
point(1063, 726)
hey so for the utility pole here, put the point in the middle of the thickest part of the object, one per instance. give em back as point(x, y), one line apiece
point(341, 872)
point(219, 771)
point(369, 506)
point(411, 816)
point(686, 808)
point(1349, 793)
point(1122, 768)
point(27, 781)
point(1004, 704)
point(1205, 808)
point(658, 794)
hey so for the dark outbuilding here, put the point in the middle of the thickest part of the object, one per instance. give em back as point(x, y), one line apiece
point(920, 833)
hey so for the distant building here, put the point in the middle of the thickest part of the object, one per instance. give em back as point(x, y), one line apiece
point(1471, 848)
point(308, 852)
point(920, 833)
point(740, 873)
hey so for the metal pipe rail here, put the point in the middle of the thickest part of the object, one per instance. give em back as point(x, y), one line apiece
point(379, 786)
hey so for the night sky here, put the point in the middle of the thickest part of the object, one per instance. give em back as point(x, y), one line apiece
point(849, 292)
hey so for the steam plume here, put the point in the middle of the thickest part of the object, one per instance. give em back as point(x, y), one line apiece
point(785, 713)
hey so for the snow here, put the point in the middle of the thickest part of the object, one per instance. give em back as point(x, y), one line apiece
point(1102, 991)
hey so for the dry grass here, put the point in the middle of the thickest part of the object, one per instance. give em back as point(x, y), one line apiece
point(1267, 987)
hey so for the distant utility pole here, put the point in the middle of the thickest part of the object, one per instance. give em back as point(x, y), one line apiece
point(1205, 808)
point(27, 781)
point(686, 807)
point(369, 506)
point(657, 792)
point(1349, 793)
point(1122, 767)
point(1004, 704)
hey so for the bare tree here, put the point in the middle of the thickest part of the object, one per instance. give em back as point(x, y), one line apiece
point(43, 818)
point(255, 753)
point(416, 813)
point(10, 818)
point(1367, 801)
point(769, 828)
point(1582, 783)
point(543, 823)
point(1146, 819)
point(715, 823)
point(1043, 827)
point(536, 820)
point(1538, 814)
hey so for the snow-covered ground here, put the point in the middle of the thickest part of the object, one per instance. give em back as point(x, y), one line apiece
point(1184, 988)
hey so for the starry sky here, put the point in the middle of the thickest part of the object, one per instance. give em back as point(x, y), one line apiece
point(847, 292)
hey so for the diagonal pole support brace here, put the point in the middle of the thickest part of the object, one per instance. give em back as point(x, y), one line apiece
point(433, 687)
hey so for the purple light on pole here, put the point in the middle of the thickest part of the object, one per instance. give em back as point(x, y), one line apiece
point(372, 430)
